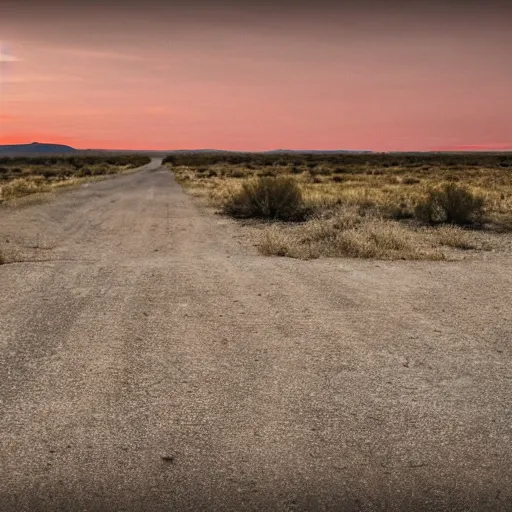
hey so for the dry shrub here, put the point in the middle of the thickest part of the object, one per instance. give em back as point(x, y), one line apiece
point(278, 198)
point(452, 203)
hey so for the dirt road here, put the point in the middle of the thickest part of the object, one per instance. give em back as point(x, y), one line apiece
point(150, 359)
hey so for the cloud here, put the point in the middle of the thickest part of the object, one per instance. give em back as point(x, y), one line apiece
point(26, 79)
point(8, 58)
point(99, 54)
point(5, 53)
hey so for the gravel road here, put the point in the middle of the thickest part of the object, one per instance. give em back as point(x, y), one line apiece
point(151, 360)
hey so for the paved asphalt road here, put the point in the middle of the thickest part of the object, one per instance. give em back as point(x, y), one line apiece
point(150, 359)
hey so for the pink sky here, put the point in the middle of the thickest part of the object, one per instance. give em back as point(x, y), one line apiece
point(320, 80)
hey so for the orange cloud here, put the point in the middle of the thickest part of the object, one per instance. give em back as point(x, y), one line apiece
point(99, 54)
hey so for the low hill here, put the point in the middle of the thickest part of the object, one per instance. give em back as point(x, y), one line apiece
point(35, 149)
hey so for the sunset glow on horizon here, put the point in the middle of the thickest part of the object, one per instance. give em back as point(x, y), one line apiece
point(167, 78)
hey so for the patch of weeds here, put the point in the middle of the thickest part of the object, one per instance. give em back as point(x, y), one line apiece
point(455, 237)
point(347, 235)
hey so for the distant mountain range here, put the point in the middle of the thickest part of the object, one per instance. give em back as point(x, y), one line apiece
point(270, 152)
point(36, 148)
point(315, 151)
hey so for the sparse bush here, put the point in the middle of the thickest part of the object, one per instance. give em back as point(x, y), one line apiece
point(277, 198)
point(387, 185)
point(453, 204)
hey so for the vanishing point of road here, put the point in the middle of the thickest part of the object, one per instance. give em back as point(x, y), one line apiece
point(151, 360)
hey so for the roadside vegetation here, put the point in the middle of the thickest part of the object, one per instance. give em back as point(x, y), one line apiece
point(21, 176)
point(384, 206)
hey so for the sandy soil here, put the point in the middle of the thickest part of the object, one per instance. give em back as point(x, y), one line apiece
point(152, 360)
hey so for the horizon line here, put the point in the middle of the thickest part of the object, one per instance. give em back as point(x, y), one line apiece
point(469, 148)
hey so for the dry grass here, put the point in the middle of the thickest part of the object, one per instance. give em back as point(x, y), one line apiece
point(393, 195)
point(348, 234)
point(22, 187)
point(456, 238)
point(375, 197)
